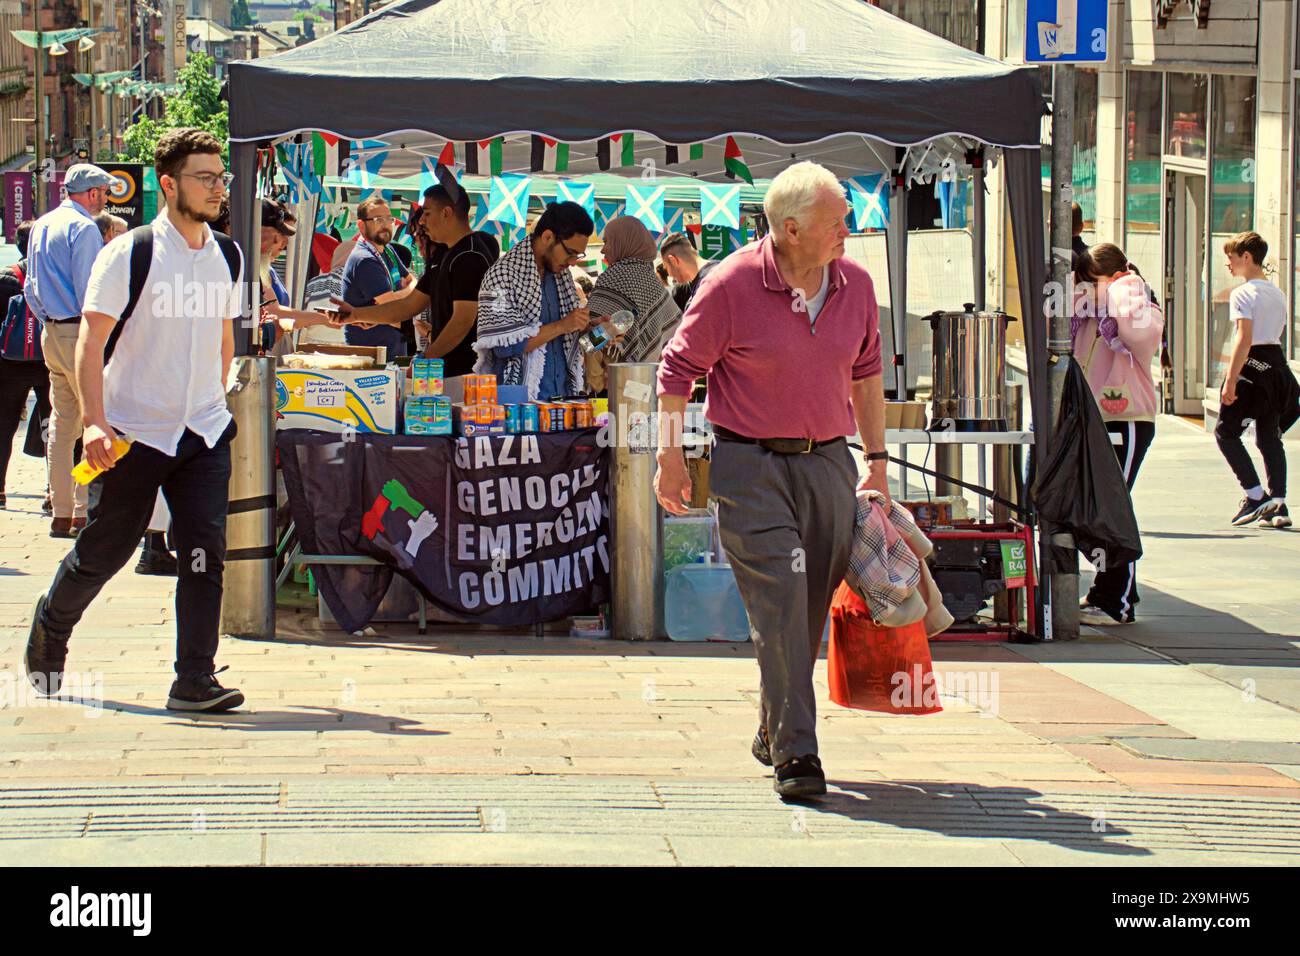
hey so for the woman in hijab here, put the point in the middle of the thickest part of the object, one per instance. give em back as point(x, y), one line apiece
point(630, 284)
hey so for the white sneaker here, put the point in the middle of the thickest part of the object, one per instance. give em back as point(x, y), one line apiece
point(1095, 617)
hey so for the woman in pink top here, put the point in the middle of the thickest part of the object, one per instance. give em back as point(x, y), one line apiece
point(1116, 332)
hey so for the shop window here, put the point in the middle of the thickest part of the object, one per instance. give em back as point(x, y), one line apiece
point(1142, 183)
point(1186, 119)
point(1232, 201)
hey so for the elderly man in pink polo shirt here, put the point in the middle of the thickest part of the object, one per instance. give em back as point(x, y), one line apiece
point(787, 333)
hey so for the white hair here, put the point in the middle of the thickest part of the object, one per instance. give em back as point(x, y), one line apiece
point(795, 190)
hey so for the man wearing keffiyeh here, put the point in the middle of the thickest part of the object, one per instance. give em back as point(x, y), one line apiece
point(529, 318)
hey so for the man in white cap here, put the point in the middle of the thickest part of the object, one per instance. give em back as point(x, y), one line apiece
point(62, 248)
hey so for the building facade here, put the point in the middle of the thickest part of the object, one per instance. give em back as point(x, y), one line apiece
point(1183, 138)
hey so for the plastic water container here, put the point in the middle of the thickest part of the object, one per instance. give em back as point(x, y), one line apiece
point(686, 539)
point(702, 603)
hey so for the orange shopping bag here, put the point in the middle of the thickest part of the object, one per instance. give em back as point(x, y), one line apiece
point(878, 668)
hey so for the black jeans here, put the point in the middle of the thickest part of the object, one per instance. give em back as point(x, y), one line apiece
point(195, 482)
point(1114, 590)
point(16, 380)
point(1268, 439)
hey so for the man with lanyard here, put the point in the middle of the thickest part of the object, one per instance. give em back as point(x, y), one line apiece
point(164, 390)
point(373, 275)
point(449, 288)
point(61, 251)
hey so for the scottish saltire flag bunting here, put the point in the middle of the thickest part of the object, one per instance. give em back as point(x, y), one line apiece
point(364, 162)
point(607, 210)
point(674, 219)
point(720, 205)
point(484, 157)
point(506, 234)
point(428, 173)
point(583, 193)
point(549, 155)
point(646, 203)
point(734, 162)
point(508, 199)
point(296, 162)
point(870, 198)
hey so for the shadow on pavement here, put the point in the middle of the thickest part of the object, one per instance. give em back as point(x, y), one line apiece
point(970, 810)
point(262, 721)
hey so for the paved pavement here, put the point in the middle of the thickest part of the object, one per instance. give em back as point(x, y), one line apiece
point(1171, 741)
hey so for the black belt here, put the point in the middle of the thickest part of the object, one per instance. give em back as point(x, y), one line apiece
point(75, 318)
point(782, 446)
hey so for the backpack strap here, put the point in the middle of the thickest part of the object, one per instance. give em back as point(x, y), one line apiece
point(141, 260)
point(231, 251)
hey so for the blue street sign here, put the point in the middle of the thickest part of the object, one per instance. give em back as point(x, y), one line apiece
point(1065, 31)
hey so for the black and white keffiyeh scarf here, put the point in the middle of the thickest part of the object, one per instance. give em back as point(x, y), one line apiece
point(510, 311)
point(631, 284)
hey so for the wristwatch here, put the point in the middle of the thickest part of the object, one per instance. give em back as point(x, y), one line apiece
point(876, 456)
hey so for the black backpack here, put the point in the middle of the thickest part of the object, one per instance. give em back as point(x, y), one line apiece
point(141, 261)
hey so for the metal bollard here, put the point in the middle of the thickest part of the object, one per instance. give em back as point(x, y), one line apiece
point(248, 601)
point(1008, 482)
point(636, 523)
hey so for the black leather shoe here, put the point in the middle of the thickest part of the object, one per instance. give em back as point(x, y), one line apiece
point(761, 750)
point(203, 694)
point(800, 777)
point(45, 655)
point(162, 563)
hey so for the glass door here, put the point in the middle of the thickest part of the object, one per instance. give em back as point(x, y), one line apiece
point(1185, 289)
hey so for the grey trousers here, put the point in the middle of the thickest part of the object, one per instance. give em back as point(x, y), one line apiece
point(786, 523)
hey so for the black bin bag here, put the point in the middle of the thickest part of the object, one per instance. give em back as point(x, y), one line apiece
point(1080, 487)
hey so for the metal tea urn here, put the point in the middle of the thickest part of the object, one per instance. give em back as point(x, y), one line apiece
point(970, 370)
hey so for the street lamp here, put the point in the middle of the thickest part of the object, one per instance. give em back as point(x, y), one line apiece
point(54, 42)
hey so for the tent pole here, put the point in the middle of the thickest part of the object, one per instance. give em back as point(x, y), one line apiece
point(245, 230)
point(1064, 582)
point(896, 256)
point(978, 226)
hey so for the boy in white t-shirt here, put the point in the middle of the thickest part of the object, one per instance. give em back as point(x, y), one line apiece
point(1258, 385)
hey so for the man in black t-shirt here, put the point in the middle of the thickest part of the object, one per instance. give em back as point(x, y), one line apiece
point(448, 288)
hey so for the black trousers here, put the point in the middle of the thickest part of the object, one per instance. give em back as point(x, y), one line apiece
point(1114, 590)
point(1268, 439)
point(195, 481)
point(16, 380)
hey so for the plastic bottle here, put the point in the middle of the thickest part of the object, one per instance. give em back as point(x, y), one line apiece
point(84, 472)
point(597, 337)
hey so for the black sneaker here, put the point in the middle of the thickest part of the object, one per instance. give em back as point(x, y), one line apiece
point(203, 693)
point(761, 750)
point(800, 777)
point(1253, 509)
point(162, 563)
point(45, 655)
point(1281, 518)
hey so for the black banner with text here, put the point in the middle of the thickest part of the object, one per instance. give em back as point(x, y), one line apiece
point(501, 529)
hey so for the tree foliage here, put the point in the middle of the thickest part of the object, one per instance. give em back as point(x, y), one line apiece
point(241, 18)
point(197, 103)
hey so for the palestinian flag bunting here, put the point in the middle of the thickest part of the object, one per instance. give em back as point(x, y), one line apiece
point(329, 153)
point(697, 151)
point(734, 162)
point(549, 155)
point(621, 145)
point(484, 157)
point(448, 156)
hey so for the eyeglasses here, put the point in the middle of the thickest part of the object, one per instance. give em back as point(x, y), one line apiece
point(573, 256)
point(379, 219)
point(211, 181)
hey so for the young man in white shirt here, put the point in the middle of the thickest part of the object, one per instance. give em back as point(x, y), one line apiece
point(1258, 385)
point(164, 389)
